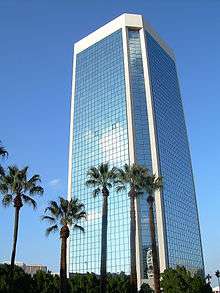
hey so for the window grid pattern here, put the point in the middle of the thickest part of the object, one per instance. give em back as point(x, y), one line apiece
point(141, 139)
point(100, 135)
point(180, 208)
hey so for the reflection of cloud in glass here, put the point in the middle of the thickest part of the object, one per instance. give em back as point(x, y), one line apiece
point(112, 144)
point(92, 215)
point(88, 135)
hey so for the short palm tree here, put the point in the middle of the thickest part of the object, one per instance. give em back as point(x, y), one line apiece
point(63, 215)
point(3, 153)
point(130, 177)
point(217, 274)
point(101, 178)
point(208, 278)
point(17, 189)
point(151, 183)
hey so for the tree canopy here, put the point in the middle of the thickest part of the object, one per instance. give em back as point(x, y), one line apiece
point(180, 280)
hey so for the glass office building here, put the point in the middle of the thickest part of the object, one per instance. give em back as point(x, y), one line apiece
point(126, 107)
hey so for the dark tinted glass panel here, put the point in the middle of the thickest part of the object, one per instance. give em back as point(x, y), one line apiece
point(180, 209)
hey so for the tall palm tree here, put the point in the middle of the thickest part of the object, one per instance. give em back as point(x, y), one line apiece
point(151, 183)
point(217, 274)
point(3, 153)
point(130, 177)
point(101, 178)
point(17, 189)
point(63, 215)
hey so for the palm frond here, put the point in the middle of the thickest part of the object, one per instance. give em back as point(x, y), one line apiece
point(65, 213)
point(7, 200)
point(92, 183)
point(53, 228)
point(151, 183)
point(93, 173)
point(3, 152)
point(48, 218)
point(80, 215)
point(2, 171)
point(3, 185)
point(120, 188)
point(36, 190)
point(54, 209)
point(29, 200)
point(79, 228)
point(96, 192)
point(64, 204)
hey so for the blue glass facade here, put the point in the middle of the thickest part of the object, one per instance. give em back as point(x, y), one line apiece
point(179, 200)
point(100, 135)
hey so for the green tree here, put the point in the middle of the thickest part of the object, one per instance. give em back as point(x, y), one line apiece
point(101, 179)
point(118, 283)
point(64, 214)
point(151, 183)
point(145, 288)
point(17, 189)
point(84, 283)
point(130, 177)
point(180, 280)
point(45, 283)
point(22, 280)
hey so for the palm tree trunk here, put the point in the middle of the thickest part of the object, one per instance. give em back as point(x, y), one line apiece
point(15, 237)
point(133, 277)
point(64, 234)
point(156, 269)
point(103, 272)
point(17, 205)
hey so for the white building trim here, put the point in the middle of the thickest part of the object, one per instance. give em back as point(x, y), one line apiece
point(69, 195)
point(124, 20)
point(131, 139)
point(154, 154)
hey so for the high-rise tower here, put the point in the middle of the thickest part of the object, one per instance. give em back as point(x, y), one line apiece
point(126, 108)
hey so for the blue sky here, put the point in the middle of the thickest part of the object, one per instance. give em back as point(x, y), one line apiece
point(36, 46)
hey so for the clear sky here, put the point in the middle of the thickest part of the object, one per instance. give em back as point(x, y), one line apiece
point(36, 46)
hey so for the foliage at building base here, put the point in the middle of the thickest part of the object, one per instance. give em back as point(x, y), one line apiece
point(43, 282)
point(180, 280)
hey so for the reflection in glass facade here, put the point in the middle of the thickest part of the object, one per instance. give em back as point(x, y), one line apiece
point(100, 135)
point(180, 209)
point(111, 95)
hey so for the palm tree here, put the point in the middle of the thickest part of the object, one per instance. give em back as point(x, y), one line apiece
point(3, 153)
point(17, 189)
point(208, 278)
point(64, 214)
point(131, 177)
point(101, 179)
point(151, 183)
point(217, 274)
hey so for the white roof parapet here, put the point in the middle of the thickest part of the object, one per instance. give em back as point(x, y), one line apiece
point(160, 41)
point(124, 20)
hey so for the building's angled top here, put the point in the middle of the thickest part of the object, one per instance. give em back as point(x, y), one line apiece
point(124, 20)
